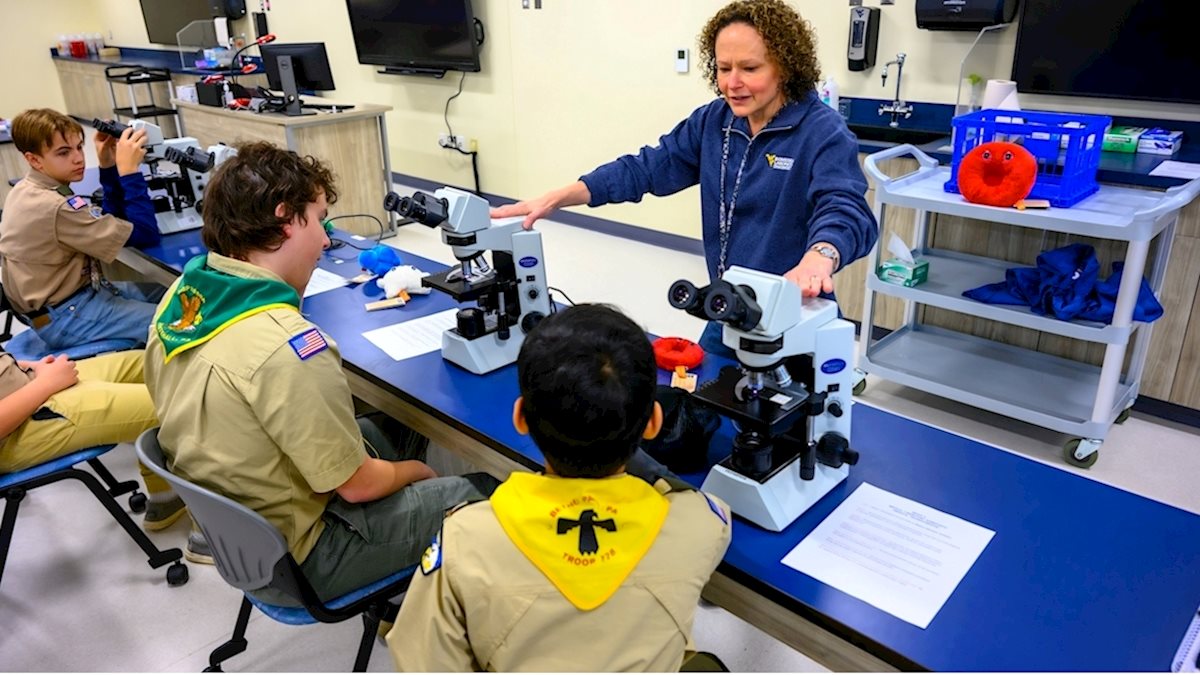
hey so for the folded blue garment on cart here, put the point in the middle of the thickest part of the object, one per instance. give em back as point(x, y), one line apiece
point(1066, 285)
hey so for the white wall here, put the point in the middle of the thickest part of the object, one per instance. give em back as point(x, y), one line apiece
point(27, 32)
point(580, 82)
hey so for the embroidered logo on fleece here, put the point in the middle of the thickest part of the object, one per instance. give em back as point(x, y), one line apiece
point(76, 202)
point(781, 163)
point(308, 344)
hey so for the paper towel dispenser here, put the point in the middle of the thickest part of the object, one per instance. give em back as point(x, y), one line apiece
point(964, 14)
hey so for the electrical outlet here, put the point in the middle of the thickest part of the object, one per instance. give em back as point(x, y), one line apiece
point(460, 142)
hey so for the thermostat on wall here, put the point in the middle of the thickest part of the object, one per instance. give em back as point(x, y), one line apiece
point(681, 60)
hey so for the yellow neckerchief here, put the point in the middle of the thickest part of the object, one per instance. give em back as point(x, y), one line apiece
point(585, 534)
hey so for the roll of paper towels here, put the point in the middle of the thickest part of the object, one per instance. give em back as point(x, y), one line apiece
point(1001, 95)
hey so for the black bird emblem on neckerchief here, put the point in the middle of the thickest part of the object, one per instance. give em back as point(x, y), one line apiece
point(587, 525)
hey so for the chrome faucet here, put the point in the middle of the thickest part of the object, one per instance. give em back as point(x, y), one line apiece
point(897, 107)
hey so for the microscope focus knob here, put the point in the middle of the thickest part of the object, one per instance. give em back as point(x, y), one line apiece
point(833, 450)
point(470, 322)
point(834, 408)
point(530, 321)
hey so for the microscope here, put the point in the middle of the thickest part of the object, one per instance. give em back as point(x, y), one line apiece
point(789, 399)
point(184, 187)
point(510, 293)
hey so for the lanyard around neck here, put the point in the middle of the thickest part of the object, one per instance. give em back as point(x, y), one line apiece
point(725, 217)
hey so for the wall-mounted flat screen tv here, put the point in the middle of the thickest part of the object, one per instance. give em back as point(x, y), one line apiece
point(1128, 49)
point(415, 36)
point(164, 18)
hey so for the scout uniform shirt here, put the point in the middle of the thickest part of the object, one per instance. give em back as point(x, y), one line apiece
point(12, 378)
point(51, 239)
point(257, 409)
point(563, 574)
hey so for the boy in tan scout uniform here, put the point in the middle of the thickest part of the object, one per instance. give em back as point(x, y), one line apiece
point(52, 241)
point(584, 567)
point(56, 406)
point(252, 398)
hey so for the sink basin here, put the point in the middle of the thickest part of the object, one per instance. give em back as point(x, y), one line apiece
point(886, 134)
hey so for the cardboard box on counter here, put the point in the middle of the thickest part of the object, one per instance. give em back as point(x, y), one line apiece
point(1159, 141)
point(904, 272)
point(1123, 139)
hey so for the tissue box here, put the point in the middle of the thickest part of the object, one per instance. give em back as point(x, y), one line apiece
point(1160, 142)
point(1123, 139)
point(904, 273)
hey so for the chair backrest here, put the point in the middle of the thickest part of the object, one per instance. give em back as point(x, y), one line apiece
point(245, 547)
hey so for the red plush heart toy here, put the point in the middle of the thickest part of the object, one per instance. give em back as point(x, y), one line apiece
point(997, 174)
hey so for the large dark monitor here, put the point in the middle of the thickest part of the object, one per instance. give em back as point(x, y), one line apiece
point(426, 37)
point(1128, 49)
point(165, 18)
point(296, 66)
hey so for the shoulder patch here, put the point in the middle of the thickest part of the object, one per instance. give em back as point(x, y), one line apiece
point(308, 344)
point(716, 508)
point(76, 202)
point(431, 559)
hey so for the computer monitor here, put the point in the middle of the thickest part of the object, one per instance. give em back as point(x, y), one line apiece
point(295, 66)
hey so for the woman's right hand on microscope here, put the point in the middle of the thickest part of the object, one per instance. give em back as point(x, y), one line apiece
point(535, 209)
point(131, 149)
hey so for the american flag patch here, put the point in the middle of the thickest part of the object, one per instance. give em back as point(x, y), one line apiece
point(76, 202)
point(308, 343)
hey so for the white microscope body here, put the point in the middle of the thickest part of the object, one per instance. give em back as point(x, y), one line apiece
point(792, 445)
point(511, 292)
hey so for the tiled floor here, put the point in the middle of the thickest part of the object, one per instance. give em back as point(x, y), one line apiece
point(77, 596)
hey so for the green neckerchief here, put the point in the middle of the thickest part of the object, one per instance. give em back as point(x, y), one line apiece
point(206, 301)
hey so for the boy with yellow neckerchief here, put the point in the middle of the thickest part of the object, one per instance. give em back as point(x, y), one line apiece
point(584, 567)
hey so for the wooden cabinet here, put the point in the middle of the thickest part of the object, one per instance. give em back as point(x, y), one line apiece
point(12, 165)
point(351, 143)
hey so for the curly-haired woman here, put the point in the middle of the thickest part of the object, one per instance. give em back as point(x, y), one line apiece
point(780, 186)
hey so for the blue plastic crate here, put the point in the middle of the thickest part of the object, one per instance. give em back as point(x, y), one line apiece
point(1066, 171)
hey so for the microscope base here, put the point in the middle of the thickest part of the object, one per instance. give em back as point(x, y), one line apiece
point(779, 501)
point(483, 354)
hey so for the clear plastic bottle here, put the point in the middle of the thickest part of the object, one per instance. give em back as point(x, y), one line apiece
point(827, 91)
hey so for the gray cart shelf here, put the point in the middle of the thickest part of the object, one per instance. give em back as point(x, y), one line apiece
point(1068, 396)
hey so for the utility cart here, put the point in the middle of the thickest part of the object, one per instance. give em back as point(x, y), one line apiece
point(132, 77)
point(1072, 397)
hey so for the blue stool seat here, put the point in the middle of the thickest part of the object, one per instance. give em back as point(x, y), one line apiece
point(57, 464)
point(15, 485)
point(28, 346)
point(299, 616)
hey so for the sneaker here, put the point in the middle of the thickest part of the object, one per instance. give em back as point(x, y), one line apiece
point(197, 550)
point(161, 515)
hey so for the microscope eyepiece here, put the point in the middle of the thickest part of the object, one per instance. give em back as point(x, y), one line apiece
point(110, 127)
point(421, 207)
point(191, 158)
point(684, 295)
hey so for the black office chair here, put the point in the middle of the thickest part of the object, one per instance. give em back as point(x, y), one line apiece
point(15, 485)
point(250, 554)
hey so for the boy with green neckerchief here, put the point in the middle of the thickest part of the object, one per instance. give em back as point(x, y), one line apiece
point(252, 399)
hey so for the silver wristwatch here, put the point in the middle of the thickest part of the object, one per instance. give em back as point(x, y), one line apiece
point(827, 251)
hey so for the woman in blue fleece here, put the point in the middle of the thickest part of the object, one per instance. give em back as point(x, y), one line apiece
point(780, 186)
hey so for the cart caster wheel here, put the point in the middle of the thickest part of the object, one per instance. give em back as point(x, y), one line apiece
point(137, 502)
point(1074, 444)
point(860, 383)
point(177, 574)
point(1123, 415)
